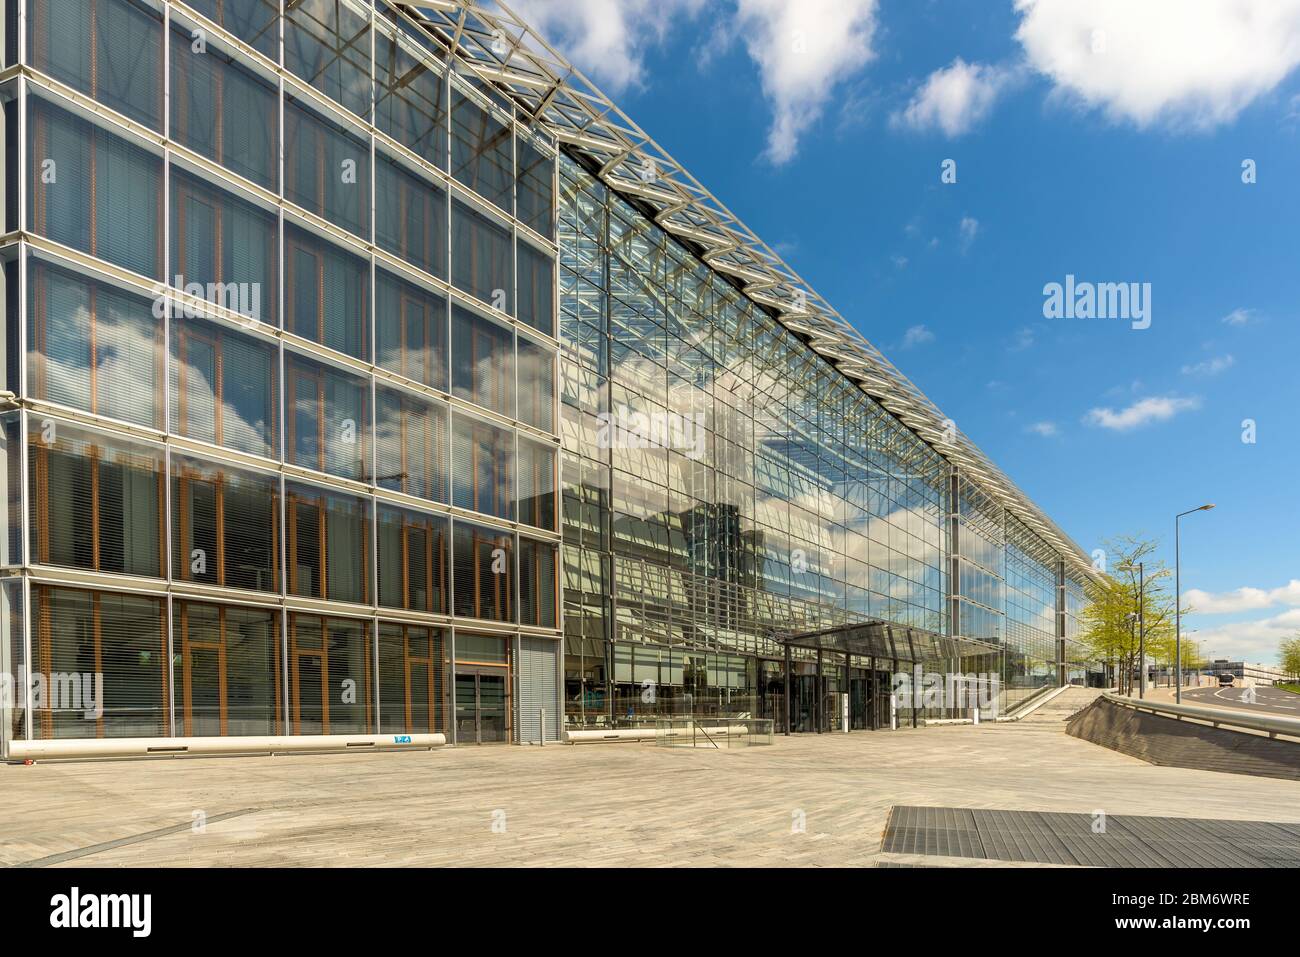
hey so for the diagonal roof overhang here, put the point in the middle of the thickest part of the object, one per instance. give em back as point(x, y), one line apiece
point(493, 42)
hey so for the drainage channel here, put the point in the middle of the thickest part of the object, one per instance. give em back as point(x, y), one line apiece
point(133, 839)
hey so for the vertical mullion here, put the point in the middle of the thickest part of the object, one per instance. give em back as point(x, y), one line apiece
point(167, 265)
point(371, 351)
point(289, 702)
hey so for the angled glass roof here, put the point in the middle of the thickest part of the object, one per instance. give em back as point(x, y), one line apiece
point(553, 95)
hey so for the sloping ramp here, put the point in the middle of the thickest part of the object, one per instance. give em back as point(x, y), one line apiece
point(1166, 741)
point(1062, 707)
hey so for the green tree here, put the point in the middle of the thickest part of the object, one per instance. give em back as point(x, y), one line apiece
point(1289, 655)
point(1111, 618)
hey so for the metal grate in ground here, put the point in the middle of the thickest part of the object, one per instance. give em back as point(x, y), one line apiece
point(1055, 838)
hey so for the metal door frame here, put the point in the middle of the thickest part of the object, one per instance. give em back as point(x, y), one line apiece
point(477, 672)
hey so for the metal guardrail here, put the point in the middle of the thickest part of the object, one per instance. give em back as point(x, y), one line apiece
point(1272, 725)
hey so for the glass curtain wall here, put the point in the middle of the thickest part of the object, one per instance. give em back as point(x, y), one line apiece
point(294, 493)
point(720, 481)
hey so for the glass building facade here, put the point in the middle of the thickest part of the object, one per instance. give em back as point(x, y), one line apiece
point(280, 332)
point(346, 396)
point(799, 504)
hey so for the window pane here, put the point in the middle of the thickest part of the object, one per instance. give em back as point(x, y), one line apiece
point(256, 22)
point(119, 64)
point(488, 649)
point(536, 484)
point(329, 419)
point(326, 169)
point(412, 96)
point(327, 293)
point(484, 569)
point(411, 445)
point(225, 525)
point(480, 258)
point(483, 368)
point(93, 347)
point(483, 460)
point(226, 670)
point(411, 326)
point(536, 190)
point(330, 675)
point(481, 151)
point(236, 409)
point(223, 110)
point(96, 503)
point(224, 250)
point(329, 545)
point(413, 680)
point(536, 289)
point(93, 191)
point(536, 385)
point(537, 583)
point(410, 217)
point(412, 560)
point(327, 43)
point(84, 634)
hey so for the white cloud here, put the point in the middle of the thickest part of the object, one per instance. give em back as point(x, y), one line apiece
point(969, 229)
point(606, 38)
point(1256, 640)
point(954, 98)
point(1047, 430)
point(1238, 317)
point(1210, 366)
point(803, 50)
point(917, 336)
point(1024, 339)
point(1190, 63)
point(1142, 412)
point(1243, 599)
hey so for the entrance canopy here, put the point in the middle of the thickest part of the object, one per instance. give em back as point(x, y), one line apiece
point(882, 639)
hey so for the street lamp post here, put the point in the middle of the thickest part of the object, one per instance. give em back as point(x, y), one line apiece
point(1178, 603)
point(1131, 618)
point(1142, 628)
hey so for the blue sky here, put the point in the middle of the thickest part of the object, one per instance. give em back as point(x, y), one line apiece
point(1102, 139)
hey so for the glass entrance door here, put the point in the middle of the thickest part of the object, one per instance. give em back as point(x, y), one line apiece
point(481, 706)
point(859, 696)
point(882, 691)
point(805, 704)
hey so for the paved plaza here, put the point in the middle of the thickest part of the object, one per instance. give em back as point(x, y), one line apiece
point(613, 804)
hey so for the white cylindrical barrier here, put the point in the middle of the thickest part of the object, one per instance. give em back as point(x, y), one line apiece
point(651, 734)
point(254, 744)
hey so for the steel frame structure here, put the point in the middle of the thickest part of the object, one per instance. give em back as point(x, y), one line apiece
point(502, 49)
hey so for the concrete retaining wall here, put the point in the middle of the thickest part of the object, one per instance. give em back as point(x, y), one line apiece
point(1184, 744)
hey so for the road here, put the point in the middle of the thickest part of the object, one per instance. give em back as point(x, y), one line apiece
point(1267, 700)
